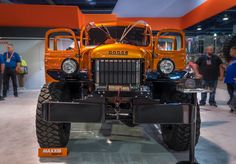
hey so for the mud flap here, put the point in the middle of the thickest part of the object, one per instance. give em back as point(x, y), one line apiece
point(149, 111)
point(81, 111)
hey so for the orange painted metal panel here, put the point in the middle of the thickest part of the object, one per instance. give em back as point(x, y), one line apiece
point(206, 10)
point(178, 56)
point(54, 57)
point(99, 18)
point(39, 16)
point(158, 23)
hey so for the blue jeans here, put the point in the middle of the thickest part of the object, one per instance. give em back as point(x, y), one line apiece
point(212, 84)
point(232, 104)
point(1, 76)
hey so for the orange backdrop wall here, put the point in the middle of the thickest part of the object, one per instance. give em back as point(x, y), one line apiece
point(39, 16)
point(72, 17)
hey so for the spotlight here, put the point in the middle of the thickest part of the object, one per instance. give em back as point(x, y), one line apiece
point(225, 18)
point(199, 28)
point(215, 35)
point(91, 2)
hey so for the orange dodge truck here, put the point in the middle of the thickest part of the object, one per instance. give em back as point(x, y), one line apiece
point(116, 71)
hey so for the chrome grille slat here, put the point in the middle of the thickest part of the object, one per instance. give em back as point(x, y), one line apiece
point(117, 71)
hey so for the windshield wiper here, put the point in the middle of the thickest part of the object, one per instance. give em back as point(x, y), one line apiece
point(125, 31)
point(129, 28)
point(106, 31)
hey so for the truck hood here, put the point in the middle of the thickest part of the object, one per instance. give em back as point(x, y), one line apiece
point(117, 50)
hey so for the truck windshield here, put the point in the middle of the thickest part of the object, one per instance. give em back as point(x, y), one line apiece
point(136, 36)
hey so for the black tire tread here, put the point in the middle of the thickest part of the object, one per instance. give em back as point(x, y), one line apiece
point(50, 134)
point(178, 136)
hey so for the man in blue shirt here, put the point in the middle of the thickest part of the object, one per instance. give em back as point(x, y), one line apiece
point(2, 66)
point(12, 66)
point(230, 78)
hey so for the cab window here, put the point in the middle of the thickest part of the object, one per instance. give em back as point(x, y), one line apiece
point(65, 44)
point(61, 41)
point(137, 36)
point(170, 41)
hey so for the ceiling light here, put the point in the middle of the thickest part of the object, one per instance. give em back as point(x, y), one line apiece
point(225, 18)
point(92, 3)
point(199, 28)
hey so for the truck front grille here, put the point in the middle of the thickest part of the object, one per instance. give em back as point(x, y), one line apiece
point(118, 71)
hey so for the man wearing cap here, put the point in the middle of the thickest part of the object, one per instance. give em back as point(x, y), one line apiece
point(2, 66)
point(12, 66)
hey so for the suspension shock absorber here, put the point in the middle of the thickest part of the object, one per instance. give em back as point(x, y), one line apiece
point(117, 102)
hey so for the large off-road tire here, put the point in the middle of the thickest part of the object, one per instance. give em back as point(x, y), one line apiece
point(178, 136)
point(227, 46)
point(50, 134)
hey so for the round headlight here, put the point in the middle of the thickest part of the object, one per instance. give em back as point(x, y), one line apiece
point(166, 66)
point(190, 83)
point(69, 66)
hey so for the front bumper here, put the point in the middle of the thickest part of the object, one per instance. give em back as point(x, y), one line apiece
point(93, 110)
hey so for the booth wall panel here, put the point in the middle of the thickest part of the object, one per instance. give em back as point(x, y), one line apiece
point(33, 52)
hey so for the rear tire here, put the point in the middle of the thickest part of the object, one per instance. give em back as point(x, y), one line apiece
point(50, 134)
point(178, 136)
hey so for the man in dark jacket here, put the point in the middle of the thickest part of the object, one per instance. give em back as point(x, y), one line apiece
point(210, 67)
point(12, 66)
point(2, 66)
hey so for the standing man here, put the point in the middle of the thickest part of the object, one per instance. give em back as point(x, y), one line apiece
point(230, 78)
point(12, 66)
point(2, 66)
point(210, 67)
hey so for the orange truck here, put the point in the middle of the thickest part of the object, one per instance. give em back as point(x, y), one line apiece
point(116, 71)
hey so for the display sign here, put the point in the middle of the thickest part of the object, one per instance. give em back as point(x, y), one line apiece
point(52, 152)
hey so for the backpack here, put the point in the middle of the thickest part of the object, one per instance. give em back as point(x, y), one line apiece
point(23, 67)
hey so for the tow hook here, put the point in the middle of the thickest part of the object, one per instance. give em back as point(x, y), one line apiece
point(117, 110)
point(117, 102)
